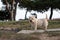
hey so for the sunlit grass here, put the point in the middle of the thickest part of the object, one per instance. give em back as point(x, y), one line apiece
point(24, 24)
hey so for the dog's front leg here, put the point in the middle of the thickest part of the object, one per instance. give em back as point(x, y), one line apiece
point(32, 26)
point(35, 26)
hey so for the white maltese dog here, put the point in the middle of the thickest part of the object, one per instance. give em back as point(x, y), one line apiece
point(38, 22)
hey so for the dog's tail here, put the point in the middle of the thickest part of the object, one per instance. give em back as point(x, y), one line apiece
point(46, 17)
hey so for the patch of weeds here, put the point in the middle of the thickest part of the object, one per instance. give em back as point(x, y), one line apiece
point(54, 33)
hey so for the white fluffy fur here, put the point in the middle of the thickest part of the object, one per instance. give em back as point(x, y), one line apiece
point(38, 22)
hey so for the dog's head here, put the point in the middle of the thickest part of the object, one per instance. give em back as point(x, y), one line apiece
point(31, 18)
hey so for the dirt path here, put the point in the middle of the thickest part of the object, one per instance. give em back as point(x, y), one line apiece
point(32, 31)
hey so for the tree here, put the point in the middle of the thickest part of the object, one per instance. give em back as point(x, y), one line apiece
point(35, 5)
point(26, 14)
point(41, 5)
point(54, 4)
point(11, 6)
point(4, 15)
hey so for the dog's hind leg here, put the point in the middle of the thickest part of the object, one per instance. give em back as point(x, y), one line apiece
point(45, 28)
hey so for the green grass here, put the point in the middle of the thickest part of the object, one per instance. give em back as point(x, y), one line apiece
point(24, 24)
point(54, 24)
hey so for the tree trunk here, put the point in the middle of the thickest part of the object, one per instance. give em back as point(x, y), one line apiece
point(26, 14)
point(12, 11)
point(7, 8)
point(15, 11)
point(51, 13)
point(12, 19)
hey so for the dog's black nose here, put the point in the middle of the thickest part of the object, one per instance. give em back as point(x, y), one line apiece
point(30, 20)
